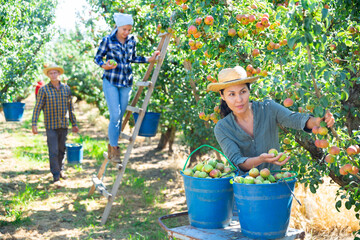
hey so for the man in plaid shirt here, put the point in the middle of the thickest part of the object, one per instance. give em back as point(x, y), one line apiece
point(55, 100)
point(119, 48)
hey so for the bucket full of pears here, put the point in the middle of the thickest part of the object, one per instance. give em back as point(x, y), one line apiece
point(264, 200)
point(209, 193)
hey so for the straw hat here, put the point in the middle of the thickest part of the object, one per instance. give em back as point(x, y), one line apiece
point(53, 67)
point(230, 77)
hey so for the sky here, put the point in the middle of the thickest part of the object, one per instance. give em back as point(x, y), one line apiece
point(66, 13)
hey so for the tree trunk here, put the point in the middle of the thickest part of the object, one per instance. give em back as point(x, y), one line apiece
point(172, 138)
point(353, 122)
point(194, 157)
point(167, 137)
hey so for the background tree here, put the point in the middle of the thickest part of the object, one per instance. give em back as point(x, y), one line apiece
point(25, 28)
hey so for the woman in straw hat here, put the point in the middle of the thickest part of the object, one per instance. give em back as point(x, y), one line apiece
point(55, 100)
point(249, 129)
point(120, 50)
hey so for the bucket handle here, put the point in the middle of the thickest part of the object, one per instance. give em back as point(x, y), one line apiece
point(285, 181)
point(205, 145)
point(81, 138)
point(298, 201)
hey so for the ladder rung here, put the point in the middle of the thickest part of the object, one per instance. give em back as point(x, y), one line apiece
point(123, 135)
point(143, 84)
point(134, 109)
point(100, 187)
point(163, 34)
point(119, 166)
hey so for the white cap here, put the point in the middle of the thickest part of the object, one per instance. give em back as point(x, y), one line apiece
point(122, 19)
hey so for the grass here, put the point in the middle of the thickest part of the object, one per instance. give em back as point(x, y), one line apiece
point(36, 153)
point(17, 205)
point(317, 214)
point(93, 148)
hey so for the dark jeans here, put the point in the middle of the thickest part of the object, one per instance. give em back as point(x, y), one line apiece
point(56, 139)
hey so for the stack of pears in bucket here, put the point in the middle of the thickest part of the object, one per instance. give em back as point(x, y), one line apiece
point(264, 176)
point(211, 168)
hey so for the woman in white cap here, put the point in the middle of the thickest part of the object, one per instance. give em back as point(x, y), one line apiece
point(249, 129)
point(120, 50)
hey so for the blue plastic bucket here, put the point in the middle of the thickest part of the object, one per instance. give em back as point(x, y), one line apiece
point(13, 111)
point(209, 201)
point(149, 124)
point(264, 209)
point(74, 153)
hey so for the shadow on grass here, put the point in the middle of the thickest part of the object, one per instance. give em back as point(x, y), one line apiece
point(153, 156)
point(126, 219)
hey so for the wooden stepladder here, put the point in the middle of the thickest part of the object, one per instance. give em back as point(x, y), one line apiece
point(97, 183)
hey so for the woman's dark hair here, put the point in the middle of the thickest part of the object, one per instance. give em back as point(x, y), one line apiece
point(224, 108)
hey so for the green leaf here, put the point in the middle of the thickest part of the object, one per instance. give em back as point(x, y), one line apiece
point(352, 69)
point(344, 96)
point(338, 205)
point(309, 37)
point(319, 111)
point(308, 67)
point(348, 205)
point(317, 29)
point(342, 76)
point(327, 75)
point(304, 4)
point(307, 23)
point(324, 38)
point(207, 28)
point(312, 188)
point(303, 40)
point(324, 102)
point(339, 34)
point(291, 42)
point(324, 13)
point(303, 76)
point(323, 124)
point(348, 43)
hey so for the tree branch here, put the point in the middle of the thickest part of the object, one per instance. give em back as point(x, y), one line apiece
point(316, 154)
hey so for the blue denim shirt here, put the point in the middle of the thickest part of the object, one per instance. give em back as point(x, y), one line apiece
point(123, 54)
point(238, 145)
